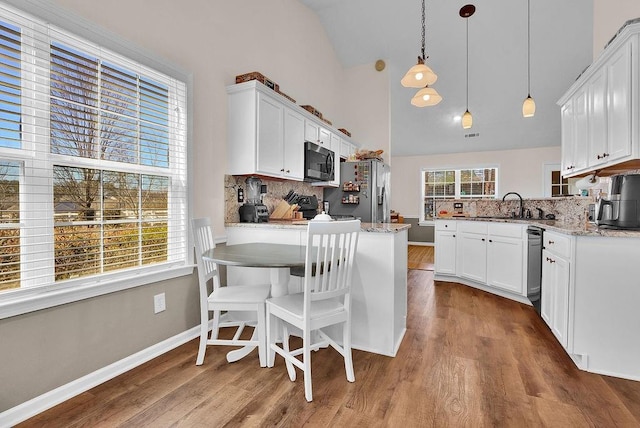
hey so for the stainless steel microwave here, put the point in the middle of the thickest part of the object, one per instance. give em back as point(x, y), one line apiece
point(319, 162)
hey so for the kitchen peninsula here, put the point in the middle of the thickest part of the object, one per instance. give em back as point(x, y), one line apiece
point(379, 288)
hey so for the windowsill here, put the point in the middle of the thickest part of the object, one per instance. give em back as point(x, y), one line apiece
point(22, 303)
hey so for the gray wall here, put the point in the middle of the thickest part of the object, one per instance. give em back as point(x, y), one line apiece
point(419, 233)
point(46, 349)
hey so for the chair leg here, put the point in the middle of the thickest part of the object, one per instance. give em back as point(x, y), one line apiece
point(262, 341)
point(271, 354)
point(204, 333)
point(306, 356)
point(346, 346)
point(285, 346)
point(216, 325)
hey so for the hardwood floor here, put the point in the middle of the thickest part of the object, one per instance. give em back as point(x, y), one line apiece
point(420, 257)
point(468, 359)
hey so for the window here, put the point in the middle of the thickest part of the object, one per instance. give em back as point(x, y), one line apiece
point(456, 184)
point(92, 161)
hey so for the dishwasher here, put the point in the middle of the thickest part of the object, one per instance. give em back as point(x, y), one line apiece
point(534, 265)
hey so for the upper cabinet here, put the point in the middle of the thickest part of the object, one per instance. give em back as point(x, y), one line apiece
point(266, 134)
point(599, 113)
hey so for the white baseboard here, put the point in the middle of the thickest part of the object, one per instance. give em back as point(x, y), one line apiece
point(56, 396)
point(423, 244)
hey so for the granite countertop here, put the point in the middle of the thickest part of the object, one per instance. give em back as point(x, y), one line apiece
point(299, 224)
point(566, 227)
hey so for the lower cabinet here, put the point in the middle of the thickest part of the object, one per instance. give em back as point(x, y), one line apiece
point(554, 305)
point(485, 253)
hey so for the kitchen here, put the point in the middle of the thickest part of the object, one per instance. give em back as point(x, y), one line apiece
point(357, 98)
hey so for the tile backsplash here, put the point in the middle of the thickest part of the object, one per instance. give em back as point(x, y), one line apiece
point(276, 189)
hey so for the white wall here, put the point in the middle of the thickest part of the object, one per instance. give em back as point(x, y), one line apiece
point(518, 171)
point(367, 107)
point(608, 17)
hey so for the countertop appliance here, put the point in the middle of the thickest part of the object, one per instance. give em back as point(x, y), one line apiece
point(254, 211)
point(319, 163)
point(534, 265)
point(308, 206)
point(364, 192)
point(622, 209)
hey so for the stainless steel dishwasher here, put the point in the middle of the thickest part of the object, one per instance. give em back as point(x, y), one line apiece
point(534, 265)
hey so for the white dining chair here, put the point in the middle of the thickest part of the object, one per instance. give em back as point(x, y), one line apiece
point(235, 298)
point(325, 300)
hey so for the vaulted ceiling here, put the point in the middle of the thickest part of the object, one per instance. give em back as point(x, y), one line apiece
point(363, 31)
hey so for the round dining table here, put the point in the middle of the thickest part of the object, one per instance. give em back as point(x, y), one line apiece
point(279, 258)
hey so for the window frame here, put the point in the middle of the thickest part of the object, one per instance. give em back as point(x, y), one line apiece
point(427, 222)
point(27, 299)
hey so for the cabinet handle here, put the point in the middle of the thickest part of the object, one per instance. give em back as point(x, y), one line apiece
point(446, 225)
point(600, 157)
point(454, 236)
point(605, 155)
point(281, 169)
point(550, 260)
point(482, 239)
point(551, 242)
point(288, 171)
point(490, 240)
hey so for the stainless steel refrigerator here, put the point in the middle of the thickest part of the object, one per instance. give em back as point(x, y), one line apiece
point(363, 193)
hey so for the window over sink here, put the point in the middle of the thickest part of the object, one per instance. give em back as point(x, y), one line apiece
point(480, 182)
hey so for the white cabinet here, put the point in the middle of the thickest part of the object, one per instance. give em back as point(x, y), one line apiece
point(346, 149)
point(473, 256)
point(597, 112)
point(485, 253)
point(293, 145)
point(505, 257)
point(445, 247)
point(264, 136)
point(555, 285)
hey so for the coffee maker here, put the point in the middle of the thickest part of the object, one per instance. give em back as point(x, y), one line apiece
point(622, 209)
point(254, 211)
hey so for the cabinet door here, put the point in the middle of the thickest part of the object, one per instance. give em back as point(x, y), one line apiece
point(546, 287)
point(555, 295)
point(311, 130)
point(597, 134)
point(346, 149)
point(568, 137)
point(445, 253)
point(560, 314)
point(270, 141)
point(619, 106)
point(324, 138)
point(505, 264)
point(580, 108)
point(473, 256)
point(293, 145)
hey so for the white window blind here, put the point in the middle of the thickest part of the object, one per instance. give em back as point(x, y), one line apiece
point(92, 161)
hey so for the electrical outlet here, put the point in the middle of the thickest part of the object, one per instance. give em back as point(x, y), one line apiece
point(159, 303)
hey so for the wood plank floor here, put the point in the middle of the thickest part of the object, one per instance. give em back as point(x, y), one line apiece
point(468, 359)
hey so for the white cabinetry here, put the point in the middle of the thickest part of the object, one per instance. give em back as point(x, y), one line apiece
point(599, 112)
point(485, 253)
point(472, 255)
point(505, 257)
point(445, 254)
point(556, 262)
point(266, 134)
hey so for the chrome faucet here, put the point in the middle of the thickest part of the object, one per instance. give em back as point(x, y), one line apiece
point(519, 197)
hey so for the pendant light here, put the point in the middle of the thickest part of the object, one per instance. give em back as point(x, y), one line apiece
point(426, 97)
point(420, 75)
point(529, 105)
point(466, 11)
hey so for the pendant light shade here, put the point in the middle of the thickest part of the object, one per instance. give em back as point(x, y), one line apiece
point(465, 12)
point(419, 76)
point(467, 120)
point(528, 107)
point(422, 76)
point(426, 97)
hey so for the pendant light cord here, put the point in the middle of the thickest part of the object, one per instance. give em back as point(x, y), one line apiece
point(528, 48)
point(467, 19)
point(423, 32)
